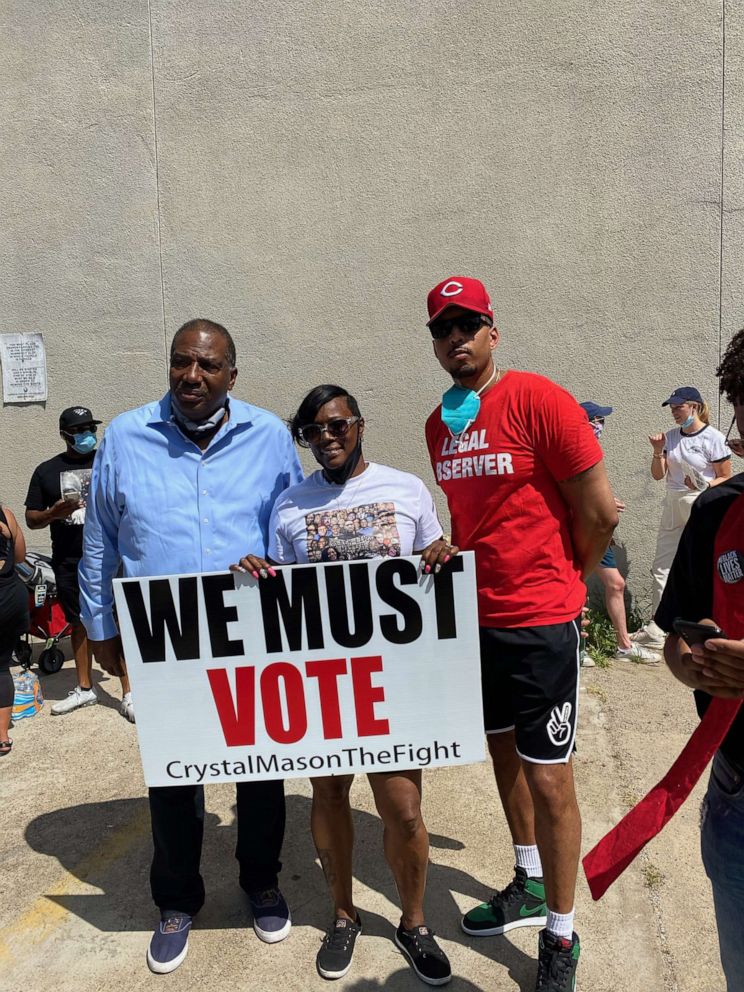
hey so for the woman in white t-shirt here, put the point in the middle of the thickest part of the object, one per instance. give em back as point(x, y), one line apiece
point(692, 457)
point(352, 509)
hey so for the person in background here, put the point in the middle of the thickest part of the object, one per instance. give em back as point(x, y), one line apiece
point(14, 617)
point(63, 512)
point(706, 584)
point(368, 511)
point(528, 493)
point(608, 573)
point(177, 484)
point(691, 457)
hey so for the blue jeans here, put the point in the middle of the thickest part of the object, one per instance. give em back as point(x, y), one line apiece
point(722, 845)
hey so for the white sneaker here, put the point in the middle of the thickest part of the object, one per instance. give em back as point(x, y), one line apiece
point(127, 707)
point(637, 652)
point(76, 698)
point(587, 661)
point(648, 637)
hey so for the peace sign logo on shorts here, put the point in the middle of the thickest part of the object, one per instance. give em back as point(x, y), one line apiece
point(559, 726)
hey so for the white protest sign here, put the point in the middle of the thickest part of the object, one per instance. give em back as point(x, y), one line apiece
point(360, 666)
point(24, 368)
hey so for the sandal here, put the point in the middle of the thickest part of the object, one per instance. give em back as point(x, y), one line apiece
point(5, 747)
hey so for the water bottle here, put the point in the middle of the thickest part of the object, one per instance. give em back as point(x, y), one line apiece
point(28, 699)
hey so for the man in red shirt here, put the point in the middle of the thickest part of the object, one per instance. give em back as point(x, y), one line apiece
point(528, 493)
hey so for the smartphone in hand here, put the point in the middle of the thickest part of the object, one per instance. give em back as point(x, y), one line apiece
point(695, 633)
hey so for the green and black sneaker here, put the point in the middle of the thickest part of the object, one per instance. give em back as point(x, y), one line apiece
point(520, 904)
point(557, 961)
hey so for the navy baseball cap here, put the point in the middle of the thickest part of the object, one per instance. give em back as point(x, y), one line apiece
point(684, 394)
point(594, 410)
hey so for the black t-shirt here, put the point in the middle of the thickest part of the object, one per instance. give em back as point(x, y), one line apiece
point(689, 589)
point(45, 489)
point(7, 551)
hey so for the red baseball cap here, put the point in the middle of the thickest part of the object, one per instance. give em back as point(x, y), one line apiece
point(461, 291)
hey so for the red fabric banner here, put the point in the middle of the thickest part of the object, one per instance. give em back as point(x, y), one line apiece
point(615, 851)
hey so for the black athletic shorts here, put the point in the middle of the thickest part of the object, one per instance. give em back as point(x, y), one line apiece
point(68, 590)
point(530, 682)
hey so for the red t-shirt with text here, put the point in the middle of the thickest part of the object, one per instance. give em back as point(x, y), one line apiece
point(501, 482)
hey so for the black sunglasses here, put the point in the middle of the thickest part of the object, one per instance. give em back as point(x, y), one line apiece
point(336, 428)
point(80, 429)
point(467, 322)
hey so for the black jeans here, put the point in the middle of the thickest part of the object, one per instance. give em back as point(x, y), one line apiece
point(177, 814)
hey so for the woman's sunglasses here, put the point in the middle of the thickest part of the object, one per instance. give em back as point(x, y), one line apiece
point(337, 428)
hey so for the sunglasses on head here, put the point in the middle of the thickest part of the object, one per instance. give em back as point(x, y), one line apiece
point(467, 322)
point(337, 428)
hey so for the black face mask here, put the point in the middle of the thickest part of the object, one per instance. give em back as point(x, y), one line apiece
point(339, 476)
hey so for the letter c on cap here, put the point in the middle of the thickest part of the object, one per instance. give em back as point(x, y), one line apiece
point(451, 288)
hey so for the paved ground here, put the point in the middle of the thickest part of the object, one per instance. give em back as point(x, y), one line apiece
point(75, 849)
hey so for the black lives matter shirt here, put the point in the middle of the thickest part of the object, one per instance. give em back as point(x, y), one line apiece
point(44, 491)
point(704, 572)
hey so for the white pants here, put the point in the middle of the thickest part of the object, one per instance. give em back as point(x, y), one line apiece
point(676, 513)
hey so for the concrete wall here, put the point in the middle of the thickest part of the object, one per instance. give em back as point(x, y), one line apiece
point(304, 173)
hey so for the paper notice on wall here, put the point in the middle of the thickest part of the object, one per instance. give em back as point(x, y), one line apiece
point(23, 360)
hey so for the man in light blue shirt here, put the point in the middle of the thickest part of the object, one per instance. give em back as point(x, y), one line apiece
point(187, 484)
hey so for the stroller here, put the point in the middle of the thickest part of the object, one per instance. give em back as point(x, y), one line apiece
point(47, 617)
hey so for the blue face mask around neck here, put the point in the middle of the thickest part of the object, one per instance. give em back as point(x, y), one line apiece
point(84, 443)
point(461, 406)
point(689, 422)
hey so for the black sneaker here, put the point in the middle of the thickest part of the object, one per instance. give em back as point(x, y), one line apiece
point(427, 958)
point(520, 904)
point(334, 957)
point(557, 961)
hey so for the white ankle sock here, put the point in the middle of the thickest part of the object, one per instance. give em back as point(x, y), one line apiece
point(528, 857)
point(560, 924)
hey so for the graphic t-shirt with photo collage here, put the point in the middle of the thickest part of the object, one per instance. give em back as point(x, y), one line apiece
point(382, 513)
